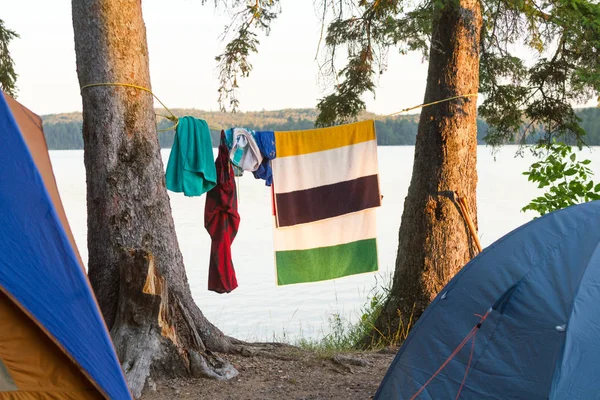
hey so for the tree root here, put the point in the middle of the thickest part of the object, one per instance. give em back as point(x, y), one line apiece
point(209, 365)
point(345, 360)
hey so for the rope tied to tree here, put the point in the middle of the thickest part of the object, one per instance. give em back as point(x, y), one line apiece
point(171, 117)
point(427, 105)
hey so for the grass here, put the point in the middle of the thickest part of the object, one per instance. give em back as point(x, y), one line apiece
point(394, 336)
point(347, 336)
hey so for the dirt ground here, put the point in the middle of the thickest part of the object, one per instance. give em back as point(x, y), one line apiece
point(287, 373)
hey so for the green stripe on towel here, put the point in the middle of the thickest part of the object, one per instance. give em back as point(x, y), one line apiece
point(323, 263)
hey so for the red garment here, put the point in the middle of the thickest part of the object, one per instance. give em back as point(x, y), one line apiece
point(221, 220)
point(273, 198)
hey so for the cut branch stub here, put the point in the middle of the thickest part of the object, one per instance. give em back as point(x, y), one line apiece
point(142, 334)
point(155, 285)
point(153, 333)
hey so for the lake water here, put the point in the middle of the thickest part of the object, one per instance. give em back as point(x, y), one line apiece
point(260, 310)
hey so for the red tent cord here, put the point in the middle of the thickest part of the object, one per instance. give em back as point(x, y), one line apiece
point(462, 344)
point(468, 366)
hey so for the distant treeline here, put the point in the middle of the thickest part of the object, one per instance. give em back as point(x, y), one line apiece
point(63, 131)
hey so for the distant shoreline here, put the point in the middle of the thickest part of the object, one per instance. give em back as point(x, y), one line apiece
point(63, 131)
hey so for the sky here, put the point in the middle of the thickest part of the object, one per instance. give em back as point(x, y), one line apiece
point(183, 40)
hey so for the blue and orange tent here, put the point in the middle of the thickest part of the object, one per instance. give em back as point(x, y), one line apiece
point(520, 321)
point(53, 340)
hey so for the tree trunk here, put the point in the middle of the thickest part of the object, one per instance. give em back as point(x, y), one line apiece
point(434, 240)
point(135, 265)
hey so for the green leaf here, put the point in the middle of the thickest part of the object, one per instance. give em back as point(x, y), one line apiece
point(570, 172)
point(586, 162)
point(573, 156)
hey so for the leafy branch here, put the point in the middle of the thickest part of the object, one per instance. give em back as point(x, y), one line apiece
point(521, 102)
point(366, 30)
point(234, 63)
point(565, 35)
point(568, 180)
point(8, 76)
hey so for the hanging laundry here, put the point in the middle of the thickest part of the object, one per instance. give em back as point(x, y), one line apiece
point(221, 220)
point(229, 141)
point(266, 144)
point(191, 167)
point(244, 150)
point(238, 171)
point(326, 190)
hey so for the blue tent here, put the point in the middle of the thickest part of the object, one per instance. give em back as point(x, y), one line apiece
point(53, 340)
point(536, 293)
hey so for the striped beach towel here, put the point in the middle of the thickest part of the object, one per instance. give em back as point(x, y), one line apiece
point(326, 190)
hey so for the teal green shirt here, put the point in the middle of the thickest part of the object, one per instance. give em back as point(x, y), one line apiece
point(191, 167)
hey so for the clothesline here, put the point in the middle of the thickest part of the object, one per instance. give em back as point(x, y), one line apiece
point(426, 105)
point(174, 119)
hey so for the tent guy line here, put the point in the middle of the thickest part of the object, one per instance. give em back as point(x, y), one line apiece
point(472, 334)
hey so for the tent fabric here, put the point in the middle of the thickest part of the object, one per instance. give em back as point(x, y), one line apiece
point(42, 278)
point(30, 126)
point(33, 364)
point(541, 284)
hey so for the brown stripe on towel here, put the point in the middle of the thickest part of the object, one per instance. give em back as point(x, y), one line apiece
point(322, 202)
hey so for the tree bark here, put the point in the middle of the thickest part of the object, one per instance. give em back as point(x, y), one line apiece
point(434, 240)
point(135, 265)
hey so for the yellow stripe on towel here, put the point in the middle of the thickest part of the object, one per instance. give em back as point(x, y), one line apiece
point(291, 143)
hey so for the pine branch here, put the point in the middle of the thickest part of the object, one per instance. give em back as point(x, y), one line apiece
point(8, 76)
